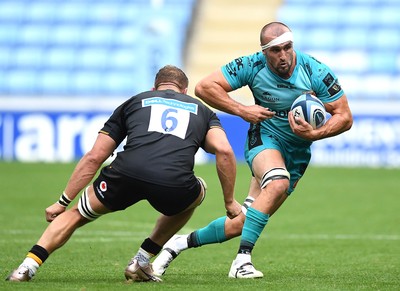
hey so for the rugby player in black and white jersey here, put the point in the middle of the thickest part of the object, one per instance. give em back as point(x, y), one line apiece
point(164, 128)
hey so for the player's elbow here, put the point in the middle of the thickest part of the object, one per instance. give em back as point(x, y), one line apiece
point(199, 89)
point(94, 158)
point(348, 122)
point(225, 153)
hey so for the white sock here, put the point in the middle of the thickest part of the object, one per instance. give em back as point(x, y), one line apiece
point(31, 264)
point(243, 258)
point(181, 243)
point(143, 257)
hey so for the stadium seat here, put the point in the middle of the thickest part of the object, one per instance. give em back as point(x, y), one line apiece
point(5, 56)
point(67, 34)
point(383, 61)
point(12, 11)
point(54, 81)
point(20, 82)
point(126, 58)
point(60, 57)
point(86, 82)
point(388, 15)
point(93, 58)
point(98, 35)
point(28, 57)
point(354, 38)
point(385, 39)
point(9, 34)
point(34, 34)
point(127, 36)
point(73, 12)
point(36, 12)
point(125, 83)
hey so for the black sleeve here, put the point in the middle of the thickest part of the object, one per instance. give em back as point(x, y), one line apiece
point(213, 122)
point(115, 126)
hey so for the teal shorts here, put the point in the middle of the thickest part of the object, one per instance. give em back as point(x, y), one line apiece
point(296, 157)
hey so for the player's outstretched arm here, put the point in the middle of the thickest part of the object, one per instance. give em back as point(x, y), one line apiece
point(84, 172)
point(217, 143)
point(214, 89)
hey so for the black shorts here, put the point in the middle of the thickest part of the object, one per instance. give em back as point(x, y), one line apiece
point(118, 192)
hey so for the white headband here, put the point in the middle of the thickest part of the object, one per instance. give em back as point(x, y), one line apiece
point(287, 36)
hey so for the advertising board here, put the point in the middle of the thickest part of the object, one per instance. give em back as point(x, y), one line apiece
point(62, 130)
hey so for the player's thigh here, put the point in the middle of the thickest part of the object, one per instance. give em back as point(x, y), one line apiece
point(266, 160)
point(94, 202)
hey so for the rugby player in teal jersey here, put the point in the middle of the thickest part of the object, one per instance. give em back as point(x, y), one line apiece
point(278, 145)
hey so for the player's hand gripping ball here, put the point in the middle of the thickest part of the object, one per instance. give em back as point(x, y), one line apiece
point(310, 108)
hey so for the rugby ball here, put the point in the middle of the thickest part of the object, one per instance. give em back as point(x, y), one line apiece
point(310, 108)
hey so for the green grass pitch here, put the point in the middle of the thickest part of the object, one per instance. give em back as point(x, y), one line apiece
point(339, 231)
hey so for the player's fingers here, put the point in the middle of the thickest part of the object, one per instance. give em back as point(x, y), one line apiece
point(50, 216)
point(292, 119)
point(231, 215)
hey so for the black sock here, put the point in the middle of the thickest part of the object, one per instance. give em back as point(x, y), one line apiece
point(192, 240)
point(245, 247)
point(39, 252)
point(151, 247)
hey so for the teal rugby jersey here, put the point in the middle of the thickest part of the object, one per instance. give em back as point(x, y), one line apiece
point(277, 94)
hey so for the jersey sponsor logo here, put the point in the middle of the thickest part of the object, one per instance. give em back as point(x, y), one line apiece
point(281, 113)
point(169, 116)
point(334, 89)
point(100, 192)
point(103, 186)
point(239, 63)
point(231, 70)
point(268, 97)
point(192, 107)
point(285, 86)
point(328, 80)
point(234, 66)
point(257, 63)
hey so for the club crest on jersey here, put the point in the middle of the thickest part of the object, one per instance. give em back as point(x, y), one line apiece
point(103, 186)
point(268, 97)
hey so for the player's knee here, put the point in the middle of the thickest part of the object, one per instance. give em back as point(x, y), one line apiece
point(280, 187)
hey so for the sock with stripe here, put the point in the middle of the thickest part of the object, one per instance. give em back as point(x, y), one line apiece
point(212, 233)
point(252, 228)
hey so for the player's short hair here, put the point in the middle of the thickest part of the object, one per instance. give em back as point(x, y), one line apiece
point(274, 28)
point(171, 74)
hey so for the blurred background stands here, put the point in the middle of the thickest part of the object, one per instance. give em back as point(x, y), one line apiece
point(113, 48)
point(89, 48)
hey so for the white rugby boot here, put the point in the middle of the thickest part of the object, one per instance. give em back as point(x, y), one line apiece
point(244, 270)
